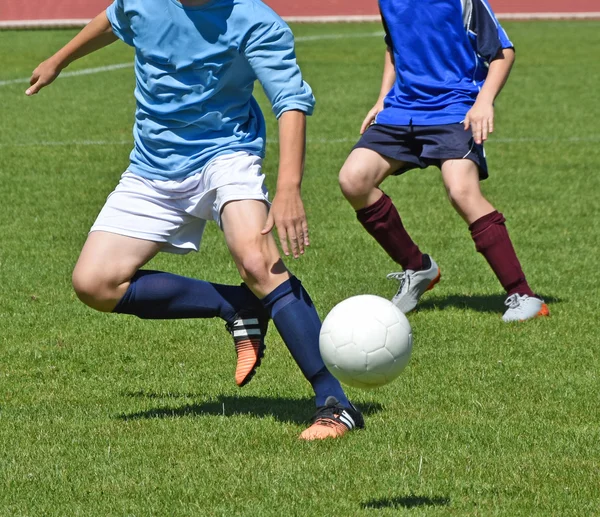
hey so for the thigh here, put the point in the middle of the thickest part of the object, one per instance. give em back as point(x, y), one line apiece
point(368, 165)
point(396, 146)
point(256, 256)
point(460, 175)
point(450, 142)
point(461, 179)
point(111, 259)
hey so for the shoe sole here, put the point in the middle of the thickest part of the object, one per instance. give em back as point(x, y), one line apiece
point(248, 378)
point(543, 312)
point(324, 432)
point(435, 281)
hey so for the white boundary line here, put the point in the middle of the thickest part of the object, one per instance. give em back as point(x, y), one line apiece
point(327, 141)
point(549, 16)
point(77, 23)
point(120, 66)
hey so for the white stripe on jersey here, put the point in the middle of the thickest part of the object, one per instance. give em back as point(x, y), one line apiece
point(467, 8)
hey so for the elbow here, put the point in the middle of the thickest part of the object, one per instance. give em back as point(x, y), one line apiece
point(509, 54)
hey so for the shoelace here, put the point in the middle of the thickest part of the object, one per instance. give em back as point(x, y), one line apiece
point(325, 412)
point(402, 277)
point(514, 300)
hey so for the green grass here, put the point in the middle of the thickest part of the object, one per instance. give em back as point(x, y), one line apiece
point(109, 415)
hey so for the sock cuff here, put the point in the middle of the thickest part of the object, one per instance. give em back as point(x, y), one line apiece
point(376, 210)
point(122, 306)
point(292, 285)
point(485, 222)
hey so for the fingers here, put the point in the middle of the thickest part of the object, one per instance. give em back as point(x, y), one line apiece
point(368, 121)
point(490, 124)
point(481, 129)
point(467, 122)
point(305, 233)
point(35, 85)
point(293, 237)
point(476, 128)
point(484, 130)
point(268, 225)
point(283, 240)
point(296, 237)
point(300, 238)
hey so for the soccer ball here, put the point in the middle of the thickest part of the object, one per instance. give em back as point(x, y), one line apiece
point(365, 341)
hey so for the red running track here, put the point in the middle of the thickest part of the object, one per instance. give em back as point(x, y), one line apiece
point(85, 9)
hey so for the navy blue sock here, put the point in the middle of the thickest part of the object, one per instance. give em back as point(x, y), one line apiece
point(158, 295)
point(299, 325)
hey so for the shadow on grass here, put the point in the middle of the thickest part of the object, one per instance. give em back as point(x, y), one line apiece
point(475, 302)
point(411, 501)
point(286, 410)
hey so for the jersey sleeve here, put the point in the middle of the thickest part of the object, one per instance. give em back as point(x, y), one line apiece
point(270, 52)
point(490, 37)
point(119, 21)
point(387, 37)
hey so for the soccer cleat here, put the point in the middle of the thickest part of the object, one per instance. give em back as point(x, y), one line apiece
point(332, 421)
point(413, 284)
point(523, 307)
point(248, 331)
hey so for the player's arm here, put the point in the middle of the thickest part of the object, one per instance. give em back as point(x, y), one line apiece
point(493, 46)
point(94, 36)
point(287, 210)
point(480, 117)
point(270, 52)
point(387, 83)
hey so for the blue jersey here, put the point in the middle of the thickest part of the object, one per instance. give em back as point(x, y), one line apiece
point(442, 50)
point(195, 70)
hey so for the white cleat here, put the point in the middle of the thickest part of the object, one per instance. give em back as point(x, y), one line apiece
point(523, 307)
point(413, 284)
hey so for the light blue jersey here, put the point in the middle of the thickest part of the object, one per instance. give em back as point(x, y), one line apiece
point(195, 70)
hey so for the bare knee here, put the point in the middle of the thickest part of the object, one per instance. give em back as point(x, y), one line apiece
point(255, 267)
point(462, 196)
point(96, 289)
point(261, 267)
point(355, 182)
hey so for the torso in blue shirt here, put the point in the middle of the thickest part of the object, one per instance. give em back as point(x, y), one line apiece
point(441, 50)
point(195, 71)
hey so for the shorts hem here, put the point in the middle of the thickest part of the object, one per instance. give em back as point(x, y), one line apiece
point(410, 160)
point(168, 247)
point(240, 197)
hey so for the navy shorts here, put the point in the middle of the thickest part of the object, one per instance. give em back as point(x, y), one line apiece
point(423, 146)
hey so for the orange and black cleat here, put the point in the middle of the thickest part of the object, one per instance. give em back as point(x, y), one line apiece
point(248, 331)
point(332, 421)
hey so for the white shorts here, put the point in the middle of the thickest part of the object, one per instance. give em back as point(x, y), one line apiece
point(175, 212)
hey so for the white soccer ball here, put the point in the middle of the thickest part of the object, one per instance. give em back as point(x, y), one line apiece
point(365, 341)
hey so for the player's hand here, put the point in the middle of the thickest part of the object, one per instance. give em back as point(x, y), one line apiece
point(480, 119)
point(370, 118)
point(288, 216)
point(42, 76)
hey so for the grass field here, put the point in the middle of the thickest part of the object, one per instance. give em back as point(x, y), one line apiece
point(104, 415)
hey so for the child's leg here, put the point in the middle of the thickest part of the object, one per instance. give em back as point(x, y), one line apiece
point(290, 306)
point(107, 278)
point(461, 179)
point(359, 179)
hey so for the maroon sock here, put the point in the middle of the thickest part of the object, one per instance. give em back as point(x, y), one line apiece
point(383, 222)
point(492, 241)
